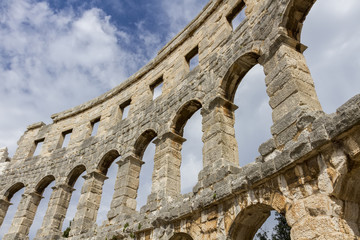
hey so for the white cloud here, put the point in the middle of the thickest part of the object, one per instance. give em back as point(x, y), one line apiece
point(46, 57)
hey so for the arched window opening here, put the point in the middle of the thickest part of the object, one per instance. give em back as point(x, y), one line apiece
point(13, 195)
point(109, 168)
point(145, 179)
point(258, 222)
point(191, 153)
point(76, 181)
point(44, 188)
point(335, 63)
point(145, 151)
point(253, 117)
point(236, 73)
point(143, 142)
point(187, 124)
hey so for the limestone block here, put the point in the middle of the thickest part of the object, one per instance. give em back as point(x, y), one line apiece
point(4, 155)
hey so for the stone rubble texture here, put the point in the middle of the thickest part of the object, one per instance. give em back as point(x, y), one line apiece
point(307, 171)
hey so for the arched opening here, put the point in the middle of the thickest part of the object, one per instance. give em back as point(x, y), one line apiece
point(107, 160)
point(12, 190)
point(108, 167)
point(75, 174)
point(44, 183)
point(143, 141)
point(236, 73)
point(183, 115)
point(181, 236)
point(275, 227)
point(248, 222)
point(253, 117)
point(244, 85)
point(75, 180)
point(295, 16)
point(187, 124)
point(12, 195)
point(44, 189)
point(145, 151)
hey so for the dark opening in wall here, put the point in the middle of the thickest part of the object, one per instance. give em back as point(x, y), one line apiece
point(156, 87)
point(95, 126)
point(192, 58)
point(124, 109)
point(65, 139)
point(38, 146)
point(236, 15)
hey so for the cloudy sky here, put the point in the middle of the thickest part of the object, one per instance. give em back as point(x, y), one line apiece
point(50, 51)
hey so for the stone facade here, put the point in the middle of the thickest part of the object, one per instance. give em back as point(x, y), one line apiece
point(307, 171)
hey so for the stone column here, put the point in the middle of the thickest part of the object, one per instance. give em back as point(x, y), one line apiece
point(289, 85)
point(320, 216)
point(220, 145)
point(89, 203)
point(126, 186)
point(56, 212)
point(166, 179)
point(4, 205)
point(24, 217)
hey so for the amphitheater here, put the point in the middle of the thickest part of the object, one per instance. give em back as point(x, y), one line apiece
point(307, 171)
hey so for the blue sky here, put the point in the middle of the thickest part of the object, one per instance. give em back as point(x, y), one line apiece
point(57, 54)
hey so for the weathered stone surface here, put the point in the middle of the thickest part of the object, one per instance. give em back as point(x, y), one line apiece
point(267, 147)
point(308, 170)
point(4, 155)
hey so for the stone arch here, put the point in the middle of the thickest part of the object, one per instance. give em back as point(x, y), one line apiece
point(27, 209)
point(181, 236)
point(12, 190)
point(235, 74)
point(74, 174)
point(109, 186)
point(43, 183)
point(248, 221)
point(183, 115)
point(107, 160)
point(5, 201)
point(143, 141)
point(294, 17)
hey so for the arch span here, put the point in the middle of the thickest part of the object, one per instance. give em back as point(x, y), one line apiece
point(74, 174)
point(248, 221)
point(12, 190)
point(235, 74)
point(107, 160)
point(43, 183)
point(183, 115)
point(295, 15)
point(143, 141)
